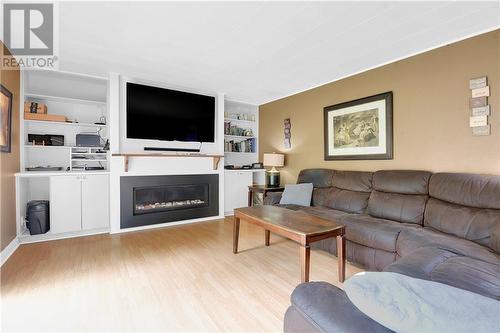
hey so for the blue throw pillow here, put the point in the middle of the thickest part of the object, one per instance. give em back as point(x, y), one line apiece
point(298, 194)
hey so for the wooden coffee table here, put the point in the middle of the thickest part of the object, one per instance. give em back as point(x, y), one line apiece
point(295, 225)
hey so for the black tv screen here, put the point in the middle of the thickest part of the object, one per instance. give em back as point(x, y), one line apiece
point(169, 115)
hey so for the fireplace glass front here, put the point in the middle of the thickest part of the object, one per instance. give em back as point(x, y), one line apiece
point(169, 197)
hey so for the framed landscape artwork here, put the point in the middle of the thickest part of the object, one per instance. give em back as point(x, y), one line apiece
point(5, 119)
point(359, 129)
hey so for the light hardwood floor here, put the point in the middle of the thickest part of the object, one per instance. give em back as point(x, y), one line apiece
point(182, 278)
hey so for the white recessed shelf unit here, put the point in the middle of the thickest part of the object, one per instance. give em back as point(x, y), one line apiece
point(240, 118)
point(240, 133)
point(82, 100)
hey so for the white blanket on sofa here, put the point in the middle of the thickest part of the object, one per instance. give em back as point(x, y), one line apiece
point(405, 304)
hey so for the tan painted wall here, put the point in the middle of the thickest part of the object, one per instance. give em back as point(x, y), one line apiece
point(431, 114)
point(9, 162)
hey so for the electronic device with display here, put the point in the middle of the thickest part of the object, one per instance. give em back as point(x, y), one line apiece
point(154, 113)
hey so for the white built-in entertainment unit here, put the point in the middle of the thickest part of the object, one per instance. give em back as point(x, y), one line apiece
point(83, 201)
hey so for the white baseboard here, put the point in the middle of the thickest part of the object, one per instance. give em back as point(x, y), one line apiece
point(9, 250)
point(27, 239)
point(169, 224)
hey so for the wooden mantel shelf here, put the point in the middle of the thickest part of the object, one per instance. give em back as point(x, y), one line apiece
point(215, 158)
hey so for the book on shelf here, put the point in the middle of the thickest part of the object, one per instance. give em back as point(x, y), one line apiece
point(235, 130)
point(245, 146)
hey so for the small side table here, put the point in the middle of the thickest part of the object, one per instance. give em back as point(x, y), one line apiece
point(261, 189)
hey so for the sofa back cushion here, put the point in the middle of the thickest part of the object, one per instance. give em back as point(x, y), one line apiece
point(399, 195)
point(467, 206)
point(349, 192)
point(320, 178)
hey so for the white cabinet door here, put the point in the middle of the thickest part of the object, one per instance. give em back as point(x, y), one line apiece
point(95, 202)
point(236, 189)
point(65, 204)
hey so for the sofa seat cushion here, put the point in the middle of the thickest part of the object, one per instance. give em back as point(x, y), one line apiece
point(442, 265)
point(411, 240)
point(328, 309)
point(367, 257)
point(374, 232)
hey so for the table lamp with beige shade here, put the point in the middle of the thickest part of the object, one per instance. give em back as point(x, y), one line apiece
point(273, 160)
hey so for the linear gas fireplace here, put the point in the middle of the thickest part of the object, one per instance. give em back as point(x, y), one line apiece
point(154, 199)
point(149, 200)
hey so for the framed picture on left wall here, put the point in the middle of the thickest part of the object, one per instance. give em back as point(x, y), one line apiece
point(5, 119)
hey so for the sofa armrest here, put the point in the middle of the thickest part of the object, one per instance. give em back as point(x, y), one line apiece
point(272, 198)
point(322, 307)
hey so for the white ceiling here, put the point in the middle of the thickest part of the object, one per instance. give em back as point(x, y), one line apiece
point(256, 52)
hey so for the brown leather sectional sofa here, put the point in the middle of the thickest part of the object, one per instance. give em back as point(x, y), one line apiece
point(443, 227)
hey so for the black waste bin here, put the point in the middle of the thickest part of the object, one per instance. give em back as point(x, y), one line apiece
point(37, 217)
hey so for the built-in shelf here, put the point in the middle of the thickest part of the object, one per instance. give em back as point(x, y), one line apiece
point(244, 170)
point(46, 147)
point(215, 158)
point(238, 136)
point(62, 123)
point(240, 120)
point(36, 174)
point(62, 99)
point(239, 152)
point(89, 160)
point(61, 147)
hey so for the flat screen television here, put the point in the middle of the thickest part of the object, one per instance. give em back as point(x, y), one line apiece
point(169, 115)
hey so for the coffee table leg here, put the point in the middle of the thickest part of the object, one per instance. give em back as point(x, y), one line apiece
point(268, 236)
point(236, 233)
point(305, 259)
point(341, 257)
